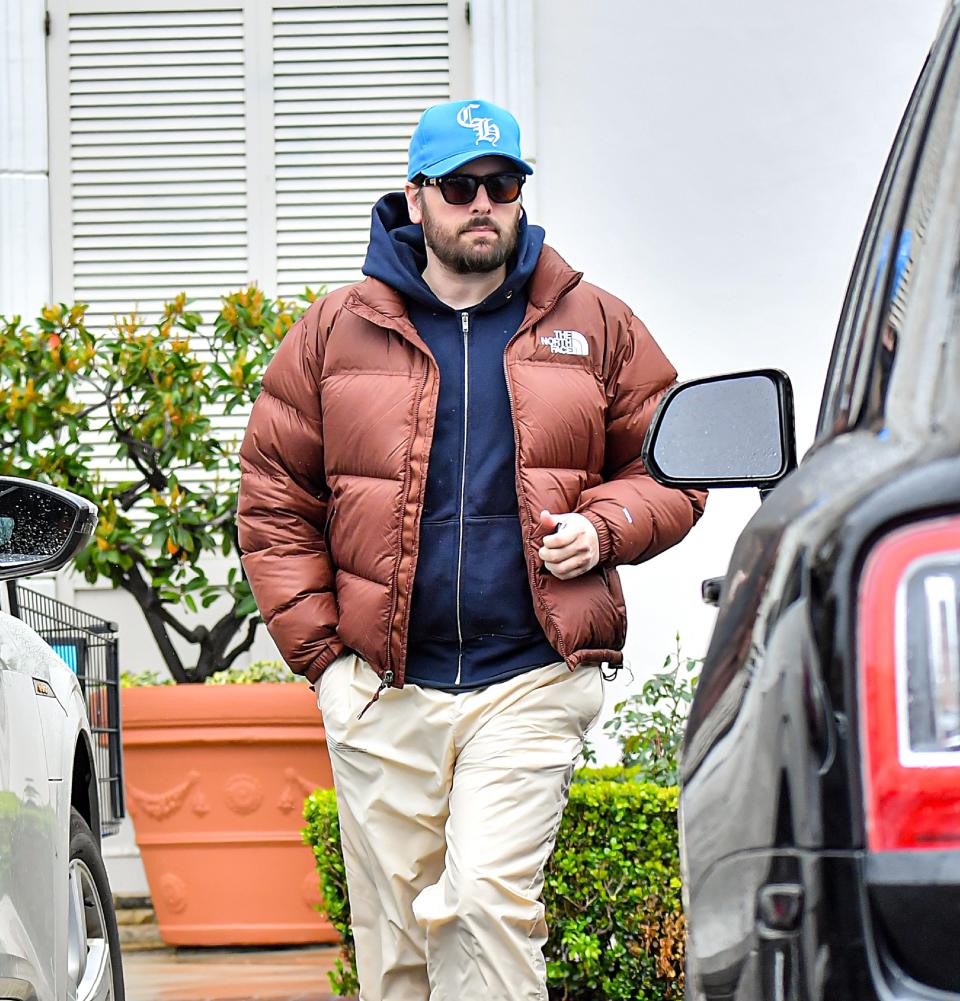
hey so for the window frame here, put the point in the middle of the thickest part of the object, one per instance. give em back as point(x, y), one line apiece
point(855, 344)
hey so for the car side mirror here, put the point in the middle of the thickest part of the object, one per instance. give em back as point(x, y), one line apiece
point(731, 430)
point(41, 527)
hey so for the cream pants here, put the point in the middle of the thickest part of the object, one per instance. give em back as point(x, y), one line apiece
point(449, 806)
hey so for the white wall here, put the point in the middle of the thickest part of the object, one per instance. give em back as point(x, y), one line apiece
point(713, 163)
point(24, 217)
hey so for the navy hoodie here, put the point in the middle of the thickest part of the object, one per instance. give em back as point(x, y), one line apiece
point(472, 621)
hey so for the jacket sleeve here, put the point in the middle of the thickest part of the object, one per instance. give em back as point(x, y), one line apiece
point(635, 517)
point(282, 507)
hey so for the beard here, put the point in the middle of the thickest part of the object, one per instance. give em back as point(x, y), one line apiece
point(482, 257)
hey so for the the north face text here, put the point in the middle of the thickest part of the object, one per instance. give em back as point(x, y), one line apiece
point(567, 342)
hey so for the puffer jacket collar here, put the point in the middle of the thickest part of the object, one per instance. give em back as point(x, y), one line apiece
point(377, 302)
point(552, 280)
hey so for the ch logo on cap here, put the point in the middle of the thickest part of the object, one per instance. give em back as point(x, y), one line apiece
point(485, 128)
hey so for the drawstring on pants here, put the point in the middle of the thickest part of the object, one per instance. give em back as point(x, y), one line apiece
point(387, 680)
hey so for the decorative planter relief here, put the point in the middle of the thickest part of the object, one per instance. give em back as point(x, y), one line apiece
point(160, 805)
point(295, 791)
point(216, 787)
point(244, 794)
point(173, 892)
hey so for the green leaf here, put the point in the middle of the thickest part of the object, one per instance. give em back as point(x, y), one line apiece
point(246, 606)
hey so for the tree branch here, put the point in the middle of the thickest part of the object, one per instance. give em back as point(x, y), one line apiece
point(151, 606)
point(252, 625)
point(226, 518)
point(92, 409)
point(136, 450)
point(133, 493)
point(212, 654)
point(197, 635)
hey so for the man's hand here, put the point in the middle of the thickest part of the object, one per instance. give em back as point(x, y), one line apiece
point(571, 551)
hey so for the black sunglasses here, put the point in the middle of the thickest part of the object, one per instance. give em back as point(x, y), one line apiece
point(461, 189)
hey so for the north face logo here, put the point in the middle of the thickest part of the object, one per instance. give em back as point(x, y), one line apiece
point(567, 342)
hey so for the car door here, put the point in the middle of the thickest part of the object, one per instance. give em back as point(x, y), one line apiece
point(771, 801)
point(28, 828)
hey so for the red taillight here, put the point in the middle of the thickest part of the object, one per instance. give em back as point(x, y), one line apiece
point(909, 653)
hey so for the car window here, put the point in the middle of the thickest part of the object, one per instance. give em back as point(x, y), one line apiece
point(920, 304)
point(880, 253)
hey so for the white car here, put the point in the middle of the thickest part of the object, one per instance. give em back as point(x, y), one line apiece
point(58, 929)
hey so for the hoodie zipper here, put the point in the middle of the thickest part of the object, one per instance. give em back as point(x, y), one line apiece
point(465, 327)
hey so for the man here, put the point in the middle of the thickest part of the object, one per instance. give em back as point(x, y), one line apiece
point(439, 477)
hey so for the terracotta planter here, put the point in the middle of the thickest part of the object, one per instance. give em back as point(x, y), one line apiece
point(216, 776)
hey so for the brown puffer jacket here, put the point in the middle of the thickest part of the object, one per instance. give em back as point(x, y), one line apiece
point(334, 465)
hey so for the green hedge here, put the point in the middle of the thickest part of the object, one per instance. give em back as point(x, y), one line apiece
point(612, 891)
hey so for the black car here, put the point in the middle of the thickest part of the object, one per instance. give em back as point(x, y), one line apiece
point(820, 803)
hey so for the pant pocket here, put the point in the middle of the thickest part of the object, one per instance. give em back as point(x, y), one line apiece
point(325, 678)
point(593, 697)
point(333, 695)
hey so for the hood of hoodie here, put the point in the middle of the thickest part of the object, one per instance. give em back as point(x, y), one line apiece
point(396, 254)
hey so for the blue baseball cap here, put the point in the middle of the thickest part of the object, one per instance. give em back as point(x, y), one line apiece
point(452, 134)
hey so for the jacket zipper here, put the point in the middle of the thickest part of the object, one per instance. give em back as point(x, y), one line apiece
point(465, 327)
point(395, 577)
point(328, 527)
point(531, 570)
point(388, 674)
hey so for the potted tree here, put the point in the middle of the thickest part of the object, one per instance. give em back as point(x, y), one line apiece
point(216, 774)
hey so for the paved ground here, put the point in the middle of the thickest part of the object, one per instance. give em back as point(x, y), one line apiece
point(295, 974)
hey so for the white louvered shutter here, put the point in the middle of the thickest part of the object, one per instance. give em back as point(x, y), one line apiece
point(350, 82)
point(156, 138)
point(157, 154)
point(197, 146)
point(173, 148)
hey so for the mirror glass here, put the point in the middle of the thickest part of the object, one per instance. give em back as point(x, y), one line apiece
point(34, 525)
point(722, 429)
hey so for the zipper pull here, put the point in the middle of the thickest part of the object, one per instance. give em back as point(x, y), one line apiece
point(465, 323)
point(387, 681)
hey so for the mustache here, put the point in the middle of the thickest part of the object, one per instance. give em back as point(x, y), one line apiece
point(481, 224)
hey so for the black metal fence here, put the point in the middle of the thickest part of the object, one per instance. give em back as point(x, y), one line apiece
point(88, 645)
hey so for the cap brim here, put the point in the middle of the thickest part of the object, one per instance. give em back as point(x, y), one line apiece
point(449, 163)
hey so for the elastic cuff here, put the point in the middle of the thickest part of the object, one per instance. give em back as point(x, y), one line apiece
point(603, 535)
point(322, 662)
